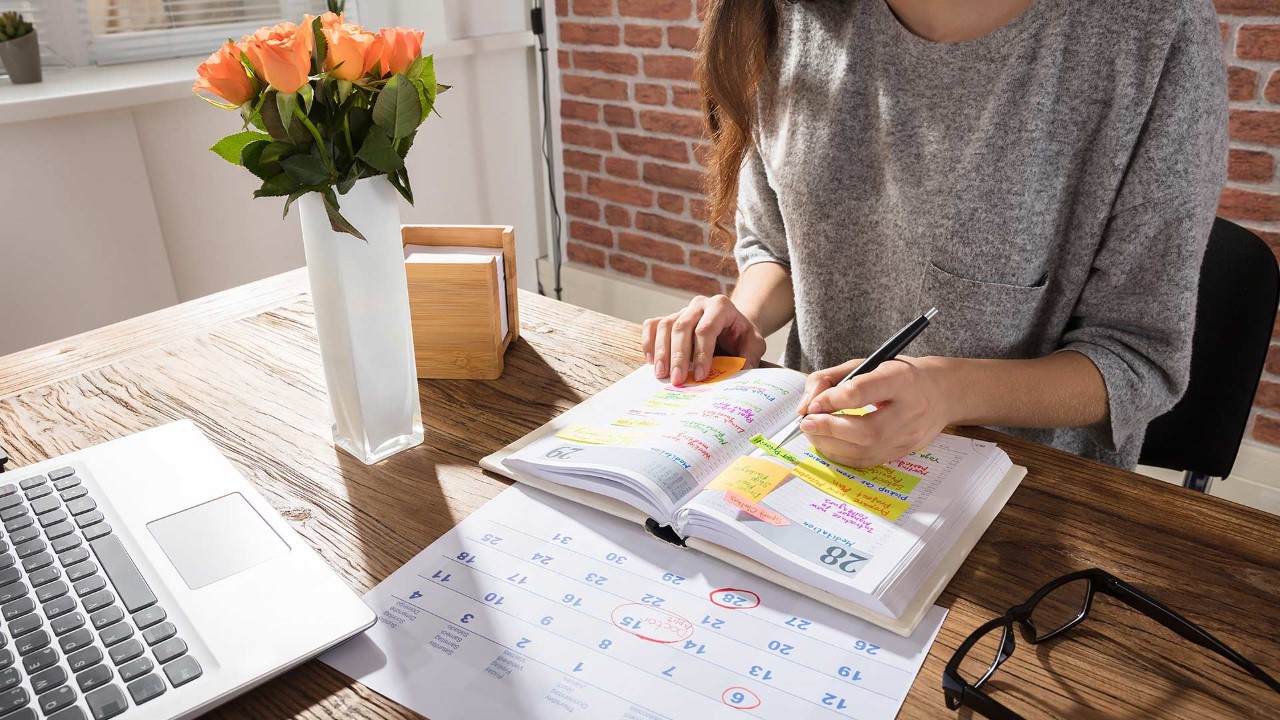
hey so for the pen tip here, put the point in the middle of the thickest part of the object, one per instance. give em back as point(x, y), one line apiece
point(929, 315)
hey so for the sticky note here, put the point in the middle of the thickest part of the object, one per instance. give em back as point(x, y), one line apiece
point(751, 477)
point(763, 443)
point(850, 491)
point(754, 510)
point(854, 411)
point(623, 437)
point(632, 422)
point(721, 367)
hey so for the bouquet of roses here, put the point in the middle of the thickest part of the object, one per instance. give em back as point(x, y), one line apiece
point(331, 102)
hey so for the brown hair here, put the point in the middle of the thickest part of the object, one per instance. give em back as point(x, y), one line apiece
point(733, 50)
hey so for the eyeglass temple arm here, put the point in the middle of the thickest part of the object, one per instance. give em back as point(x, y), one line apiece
point(1144, 603)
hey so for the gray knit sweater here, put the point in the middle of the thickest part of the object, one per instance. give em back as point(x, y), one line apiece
point(1049, 186)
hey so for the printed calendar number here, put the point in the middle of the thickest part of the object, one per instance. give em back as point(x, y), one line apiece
point(780, 647)
point(672, 578)
point(563, 452)
point(760, 672)
point(541, 559)
point(441, 575)
point(740, 698)
point(562, 539)
point(865, 647)
point(615, 558)
point(798, 623)
point(734, 598)
point(596, 579)
point(466, 558)
point(835, 557)
point(849, 673)
point(572, 600)
point(490, 539)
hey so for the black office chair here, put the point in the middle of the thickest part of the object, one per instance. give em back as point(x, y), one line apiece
point(1235, 313)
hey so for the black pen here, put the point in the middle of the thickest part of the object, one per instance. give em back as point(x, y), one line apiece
point(884, 353)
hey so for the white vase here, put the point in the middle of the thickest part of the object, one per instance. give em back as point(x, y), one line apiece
point(361, 300)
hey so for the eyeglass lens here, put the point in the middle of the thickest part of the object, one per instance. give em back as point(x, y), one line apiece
point(1060, 608)
point(982, 659)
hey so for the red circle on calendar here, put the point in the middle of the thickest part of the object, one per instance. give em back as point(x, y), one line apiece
point(740, 698)
point(734, 599)
point(651, 623)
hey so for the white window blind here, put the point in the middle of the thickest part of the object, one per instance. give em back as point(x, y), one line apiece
point(48, 26)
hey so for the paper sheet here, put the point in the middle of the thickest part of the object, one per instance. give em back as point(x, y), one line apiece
point(534, 607)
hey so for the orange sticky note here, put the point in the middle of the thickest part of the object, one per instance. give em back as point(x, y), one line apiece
point(753, 509)
point(722, 366)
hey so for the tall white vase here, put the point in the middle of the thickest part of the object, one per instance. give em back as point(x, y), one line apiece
point(361, 303)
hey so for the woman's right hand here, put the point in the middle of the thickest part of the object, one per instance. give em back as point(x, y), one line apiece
point(681, 345)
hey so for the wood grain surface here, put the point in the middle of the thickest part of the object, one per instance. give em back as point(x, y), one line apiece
point(245, 366)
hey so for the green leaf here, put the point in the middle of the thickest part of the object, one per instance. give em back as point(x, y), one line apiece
point(398, 110)
point(276, 186)
point(346, 183)
point(379, 152)
point(276, 151)
point(251, 158)
point(230, 147)
point(294, 196)
point(306, 169)
point(285, 103)
point(294, 133)
point(307, 93)
point(400, 181)
point(321, 50)
point(428, 76)
point(336, 221)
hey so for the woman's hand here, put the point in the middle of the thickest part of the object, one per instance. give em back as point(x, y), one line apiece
point(911, 408)
point(681, 345)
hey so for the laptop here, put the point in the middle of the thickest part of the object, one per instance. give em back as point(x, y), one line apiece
point(145, 578)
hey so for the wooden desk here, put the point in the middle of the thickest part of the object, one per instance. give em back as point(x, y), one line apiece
point(244, 365)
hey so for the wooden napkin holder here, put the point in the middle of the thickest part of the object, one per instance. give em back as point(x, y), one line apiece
point(455, 308)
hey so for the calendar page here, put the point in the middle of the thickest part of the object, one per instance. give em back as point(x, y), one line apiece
point(535, 607)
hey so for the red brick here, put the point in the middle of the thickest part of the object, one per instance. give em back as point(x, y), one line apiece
point(702, 153)
point(661, 9)
point(651, 94)
point(1260, 126)
point(589, 34)
point(1273, 360)
point(674, 177)
point(675, 67)
point(619, 116)
point(586, 254)
point(593, 87)
point(1242, 83)
point(577, 110)
point(593, 234)
point(572, 182)
point(1258, 42)
point(565, 61)
point(675, 229)
point(582, 160)
point(698, 209)
point(598, 8)
point(682, 37)
point(688, 98)
point(702, 9)
point(1235, 204)
point(713, 263)
point(645, 36)
point(1268, 397)
point(1272, 91)
point(622, 168)
point(1265, 429)
point(627, 264)
point(617, 216)
point(671, 123)
point(606, 62)
point(582, 208)
point(618, 192)
point(650, 247)
point(1250, 165)
point(586, 137)
point(562, 7)
point(703, 285)
point(664, 148)
point(1253, 8)
point(673, 204)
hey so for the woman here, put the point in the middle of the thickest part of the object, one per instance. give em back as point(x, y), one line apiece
point(1044, 173)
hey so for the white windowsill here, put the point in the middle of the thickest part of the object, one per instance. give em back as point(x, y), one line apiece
point(68, 91)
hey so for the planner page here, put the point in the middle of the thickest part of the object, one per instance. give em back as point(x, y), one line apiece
point(535, 607)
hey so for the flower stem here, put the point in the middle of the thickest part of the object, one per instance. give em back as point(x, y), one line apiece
point(346, 131)
point(324, 153)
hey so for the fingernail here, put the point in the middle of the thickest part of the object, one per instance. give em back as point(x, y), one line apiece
point(648, 357)
point(808, 425)
point(815, 407)
point(660, 369)
point(700, 372)
point(677, 376)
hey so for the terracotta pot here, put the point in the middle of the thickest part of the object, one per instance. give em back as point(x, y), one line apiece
point(21, 58)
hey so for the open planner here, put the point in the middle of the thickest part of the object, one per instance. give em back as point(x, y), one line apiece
point(697, 466)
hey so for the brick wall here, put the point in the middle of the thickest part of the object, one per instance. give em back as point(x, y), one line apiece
point(632, 161)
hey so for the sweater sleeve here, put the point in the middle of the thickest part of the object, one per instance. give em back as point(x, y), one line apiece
point(761, 234)
point(1134, 318)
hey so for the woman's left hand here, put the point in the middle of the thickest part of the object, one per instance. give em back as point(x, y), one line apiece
point(911, 408)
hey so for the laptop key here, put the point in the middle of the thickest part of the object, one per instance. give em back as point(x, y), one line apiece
point(39, 491)
point(169, 649)
point(65, 624)
point(71, 713)
point(146, 618)
point(94, 532)
point(72, 493)
point(6, 658)
point(76, 640)
point(6, 560)
point(17, 608)
point(48, 679)
point(106, 702)
point(17, 524)
point(9, 678)
point(134, 591)
point(60, 473)
point(53, 518)
point(51, 592)
point(159, 633)
point(29, 548)
point(135, 668)
point(25, 624)
point(9, 575)
point(82, 505)
point(125, 651)
point(94, 677)
point(26, 534)
point(11, 700)
point(56, 699)
point(81, 571)
point(90, 518)
point(66, 543)
point(39, 660)
point(86, 658)
point(73, 556)
point(8, 489)
point(146, 688)
point(67, 482)
point(114, 634)
point(33, 481)
point(11, 513)
point(13, 591)
point(45, 504)
point(59, 606)
point(32, 642)
point(9, 502)
point(57, 530)
point(91, 584)
point(98, 600)
point(41, 559)
point(106, 616)
point(183, 670)
point(44, 576)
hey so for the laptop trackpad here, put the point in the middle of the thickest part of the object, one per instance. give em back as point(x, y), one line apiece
point(217, 539)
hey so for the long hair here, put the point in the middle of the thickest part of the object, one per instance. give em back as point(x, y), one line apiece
point(733, 51)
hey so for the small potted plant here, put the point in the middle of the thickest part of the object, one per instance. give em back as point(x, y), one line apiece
point(19, 49)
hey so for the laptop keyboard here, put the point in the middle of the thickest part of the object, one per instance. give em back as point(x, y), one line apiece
point(80, 621)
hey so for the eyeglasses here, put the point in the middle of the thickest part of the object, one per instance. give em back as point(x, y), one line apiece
point(1051, 611)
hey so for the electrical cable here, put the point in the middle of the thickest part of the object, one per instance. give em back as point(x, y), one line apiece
point(539, 29)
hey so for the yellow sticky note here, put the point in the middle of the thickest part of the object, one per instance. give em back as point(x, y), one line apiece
point(850, 491)
point(888, 478)
point(635, 423)
point(623, 437)
point(751, 477)
point(853, 411)
point(763, 443)
point(721, 367)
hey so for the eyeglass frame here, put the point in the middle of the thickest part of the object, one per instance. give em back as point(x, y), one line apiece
point(959, 693)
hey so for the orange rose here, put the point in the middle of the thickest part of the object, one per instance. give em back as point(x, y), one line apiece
point(280, 56)
point(352, 51)
point(400, 47)
point(223, 75)
point(327, 20)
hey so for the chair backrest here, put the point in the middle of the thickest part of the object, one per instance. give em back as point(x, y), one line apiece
point(1235, 314)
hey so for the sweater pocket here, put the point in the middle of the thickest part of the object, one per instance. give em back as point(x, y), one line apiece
point(982, 319)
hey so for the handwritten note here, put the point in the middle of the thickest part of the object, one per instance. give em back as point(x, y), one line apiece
point(751, 477)
point(850, 491)
point(624, 437)
point(721, 368)
point(763, 443)
point(754, 510)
